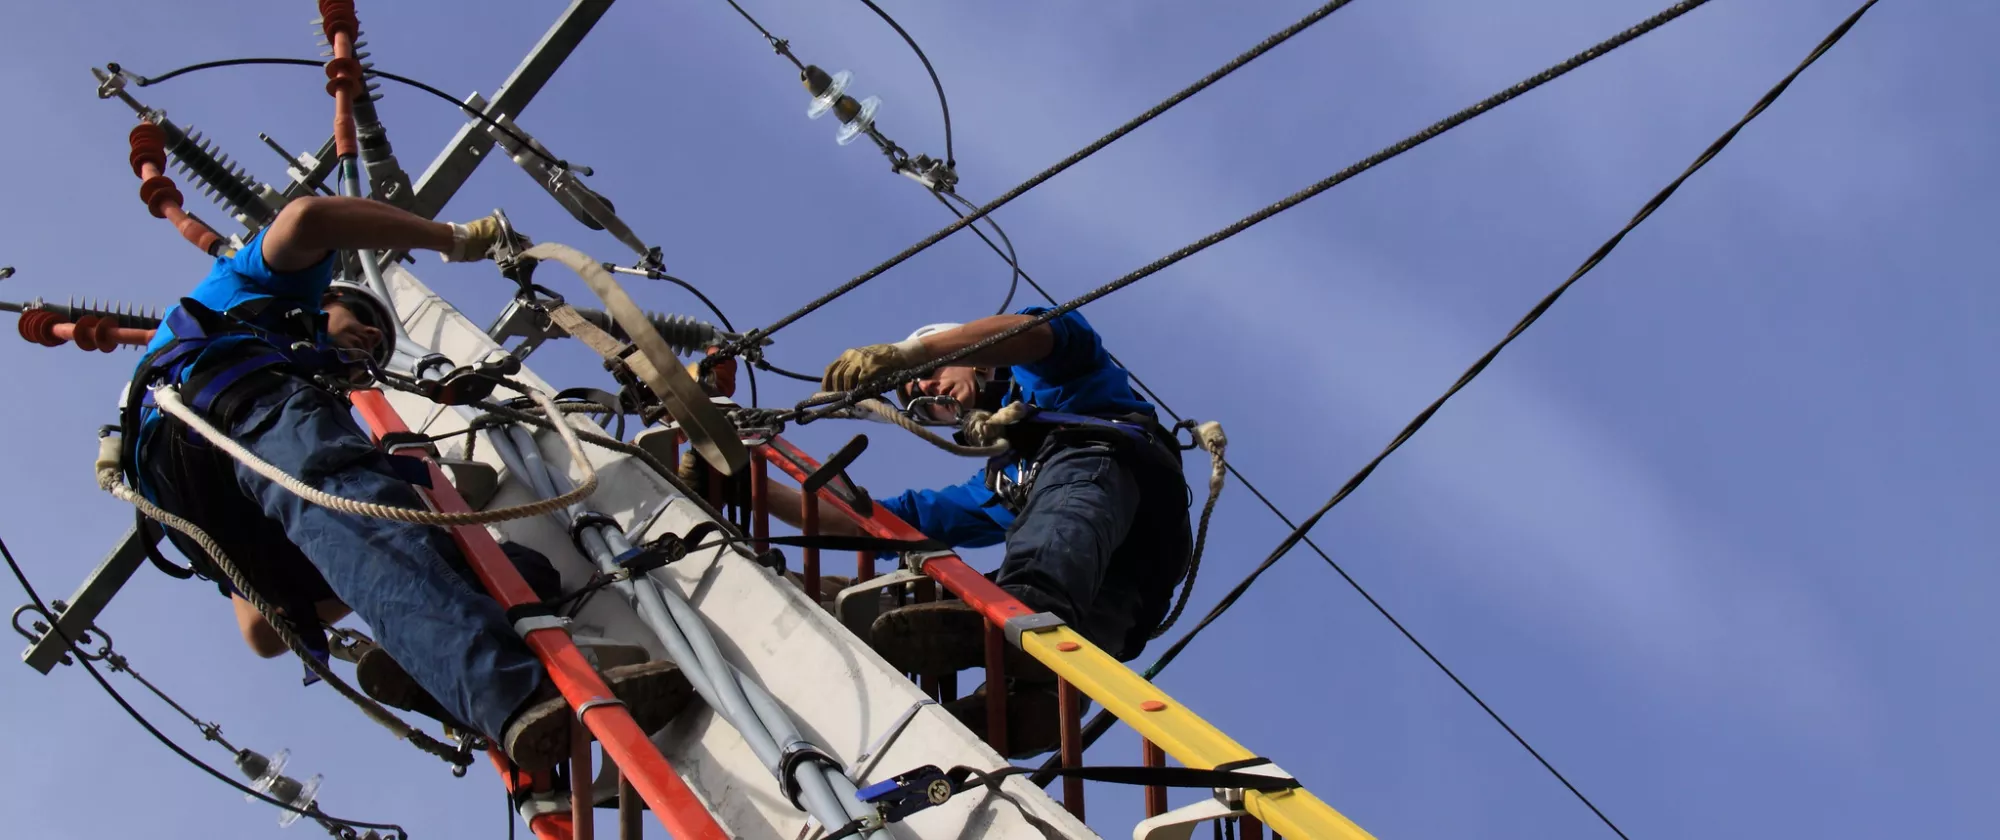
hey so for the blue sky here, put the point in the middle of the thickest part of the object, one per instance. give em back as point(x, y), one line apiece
point(1710, 535)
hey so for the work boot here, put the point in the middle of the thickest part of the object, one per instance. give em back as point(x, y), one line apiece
point(539, 735)
point(942, 638)
point(1034, 718)
point(384, 680)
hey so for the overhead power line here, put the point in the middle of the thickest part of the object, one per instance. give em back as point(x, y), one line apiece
point(891, 381)
point(331, 822)
point(1299, 533)
point(1234, 64)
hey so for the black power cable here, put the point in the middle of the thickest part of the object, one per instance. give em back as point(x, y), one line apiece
point(21, 576)
point(1299, 532)
point(896, 379)
point(950, 159)
point(1008, 256)
point(148, 81)
point(1263, 47)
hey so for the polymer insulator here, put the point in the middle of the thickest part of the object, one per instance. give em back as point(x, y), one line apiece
point(126, 314)
point(225, 182)
point(685, 334)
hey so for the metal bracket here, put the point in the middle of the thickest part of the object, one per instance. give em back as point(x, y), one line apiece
point(90, 599)
point(916, 560)
point(1179, 823)
point(478, 482)
point(529, 624)
point(1029, 624)
point(1225, 803)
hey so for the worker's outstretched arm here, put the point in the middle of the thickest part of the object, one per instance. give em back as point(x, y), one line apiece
point(309, 228)
point(865, 364)
point(1024, 349)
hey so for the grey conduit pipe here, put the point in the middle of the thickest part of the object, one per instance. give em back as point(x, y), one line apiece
point(824, 790)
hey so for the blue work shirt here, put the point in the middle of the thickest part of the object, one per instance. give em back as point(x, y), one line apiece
point(1076, 377)
point(234, 281)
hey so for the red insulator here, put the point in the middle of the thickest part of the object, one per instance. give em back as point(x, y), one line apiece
point(92, 333)
point(159, 193)
point(343, 73)
point(149, 145)
point(337, 16)
point(39, 326)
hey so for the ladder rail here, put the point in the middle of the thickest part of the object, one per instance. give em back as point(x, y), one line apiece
point(680, 811)
point(1157, 717)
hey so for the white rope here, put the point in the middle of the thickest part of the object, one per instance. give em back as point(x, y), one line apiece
point(110, 477)
point(170, 402)
point(984, 429)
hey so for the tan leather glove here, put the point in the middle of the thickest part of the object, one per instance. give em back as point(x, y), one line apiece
point(474, 240)
point(862, 364)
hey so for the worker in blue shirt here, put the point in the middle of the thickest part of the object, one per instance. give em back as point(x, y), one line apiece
point(1093, 507)
point(264, 348)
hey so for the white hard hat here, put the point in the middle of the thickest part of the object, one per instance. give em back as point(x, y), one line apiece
point(931, 329)
point(372, 310)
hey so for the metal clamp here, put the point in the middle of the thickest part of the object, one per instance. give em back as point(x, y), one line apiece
point(531, 623)
point(1035, 623)
point(595, 703)
point(793, 755)
point(915, 560)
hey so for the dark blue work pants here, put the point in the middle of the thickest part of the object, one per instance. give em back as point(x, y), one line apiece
point(451, 638)
point(1101, 543)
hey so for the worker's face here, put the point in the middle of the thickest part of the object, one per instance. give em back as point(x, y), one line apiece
point(957, 382)
point(350, 332)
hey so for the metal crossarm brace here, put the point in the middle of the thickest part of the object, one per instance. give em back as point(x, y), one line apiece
point(472, 144)
point(90, 599)
point(680, 811)
point(1156, 716)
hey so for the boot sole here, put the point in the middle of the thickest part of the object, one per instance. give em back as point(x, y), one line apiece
point(654, 693)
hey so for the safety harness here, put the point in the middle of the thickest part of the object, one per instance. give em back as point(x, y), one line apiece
point(255, 344)
point(1036, 437)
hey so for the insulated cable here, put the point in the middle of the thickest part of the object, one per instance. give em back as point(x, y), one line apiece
point(1263, 47)
point(950, 160)
point(21, 576)
point(805, 413)
point(1013, 259)
point(147, 81)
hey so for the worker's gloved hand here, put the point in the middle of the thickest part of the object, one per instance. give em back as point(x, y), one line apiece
point(475, 240)
point(692, 472)
point(863, 364)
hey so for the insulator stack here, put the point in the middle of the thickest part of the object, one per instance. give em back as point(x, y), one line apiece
point(127, 315)
point(343, 72)
point(829, 93)
point(686, 335)
point(163, 199)
point(224, 181)
point(46, 328)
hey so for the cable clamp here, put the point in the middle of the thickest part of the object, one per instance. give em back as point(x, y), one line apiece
point(585, 521)
point(1035, 623)
point(795, 754)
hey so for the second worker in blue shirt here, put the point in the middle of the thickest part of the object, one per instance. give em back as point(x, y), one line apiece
point(1091, 504)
